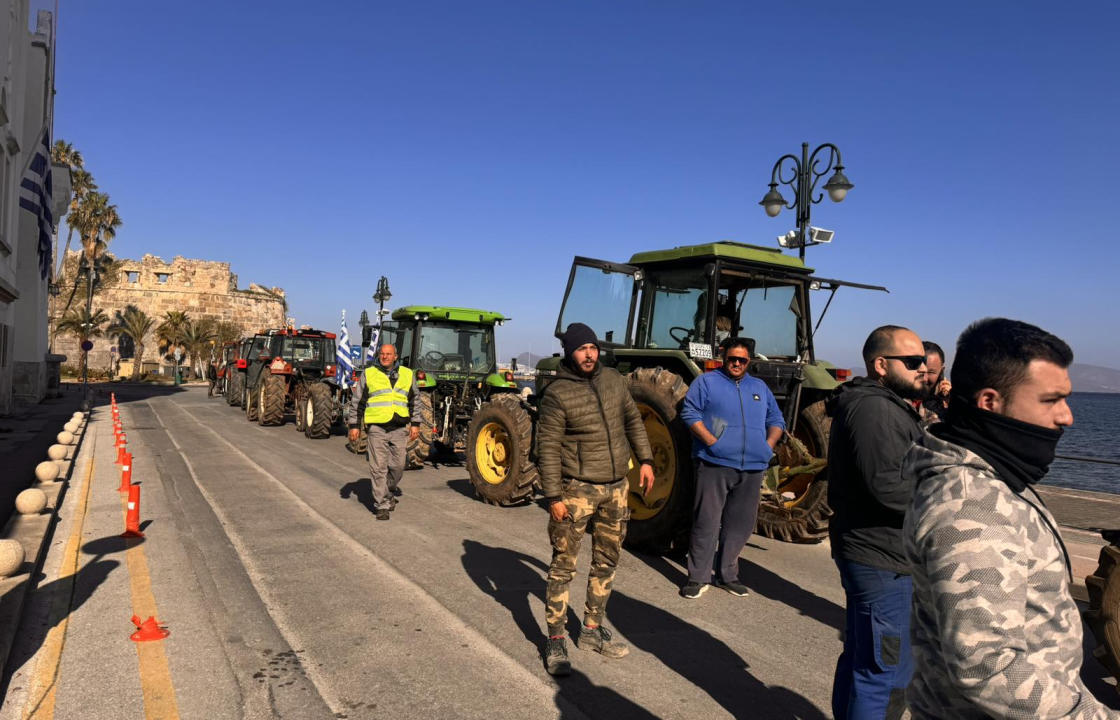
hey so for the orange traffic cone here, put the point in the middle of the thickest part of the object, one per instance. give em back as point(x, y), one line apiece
point(132, 517)
point(122, 442)
point(148, 630)
point(126, 473)
point(113, 398)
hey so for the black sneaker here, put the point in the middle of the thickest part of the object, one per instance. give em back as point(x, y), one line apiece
point(383, 515)
point(735, 588)
point(693, 590)
point(599, 639)
point(397, 492)
point(556, 657)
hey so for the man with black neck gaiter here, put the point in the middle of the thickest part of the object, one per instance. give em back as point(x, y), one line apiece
point(995, 631)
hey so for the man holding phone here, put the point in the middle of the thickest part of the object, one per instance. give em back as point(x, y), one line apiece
point(736, 423)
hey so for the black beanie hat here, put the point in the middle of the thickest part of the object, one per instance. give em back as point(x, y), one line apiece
point(576, 336)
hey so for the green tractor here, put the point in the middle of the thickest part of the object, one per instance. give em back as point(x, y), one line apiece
point(660, 318)
point(452, 352)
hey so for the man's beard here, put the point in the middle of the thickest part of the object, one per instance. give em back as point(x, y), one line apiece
point(905, 390)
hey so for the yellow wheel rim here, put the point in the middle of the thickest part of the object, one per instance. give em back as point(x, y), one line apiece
point(493, 451)
point(643, 507)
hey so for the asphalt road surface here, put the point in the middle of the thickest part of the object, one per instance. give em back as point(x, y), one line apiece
point(287, 599)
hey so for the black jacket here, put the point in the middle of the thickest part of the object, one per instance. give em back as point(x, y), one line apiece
point(872, 428)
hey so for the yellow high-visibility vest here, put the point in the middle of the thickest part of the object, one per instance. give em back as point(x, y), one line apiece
point(386, 400)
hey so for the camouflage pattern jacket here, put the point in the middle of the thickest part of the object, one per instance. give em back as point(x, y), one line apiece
point(994, 629)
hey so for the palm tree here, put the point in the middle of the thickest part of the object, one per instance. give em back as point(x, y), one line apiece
point(107, 274)
point(81, 184)
point(96, 220)
point(197, 337)
point(84, 325)
point(133, 322)
point(170, 332)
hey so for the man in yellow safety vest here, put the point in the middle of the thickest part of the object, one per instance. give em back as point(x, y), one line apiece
point(384, 402)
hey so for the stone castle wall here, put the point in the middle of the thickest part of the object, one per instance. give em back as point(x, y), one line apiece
point(201, 288)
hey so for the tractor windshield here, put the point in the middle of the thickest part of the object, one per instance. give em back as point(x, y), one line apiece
point(760, 308)
point(455, 348)
point(307, 350)
point(678, 308)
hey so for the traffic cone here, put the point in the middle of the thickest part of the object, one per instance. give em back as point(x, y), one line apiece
point(126, 473)
point(122, 442)
point(113, 398)
point(132, 517)
point(148, 630)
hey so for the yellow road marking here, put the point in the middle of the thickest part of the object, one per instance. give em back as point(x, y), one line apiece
point(44, 685)
point(155, 674)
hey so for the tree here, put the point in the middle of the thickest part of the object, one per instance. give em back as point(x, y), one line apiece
point(136, 324)
point(81, 184)
point(96, 220)
point(84, 325)
point(197, 337)
point(107, 272)
point(170, 332)
point(226, 332)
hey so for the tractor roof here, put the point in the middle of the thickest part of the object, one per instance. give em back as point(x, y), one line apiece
point(726, 250)
point(453, 314)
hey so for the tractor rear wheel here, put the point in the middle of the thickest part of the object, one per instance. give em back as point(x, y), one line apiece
point(498, 441)
point(317, 411)
point(794, 505)
point(420, 448)
point(301, 411)
point(235, 386)
point(1104, 609)
point(272, 396)
point(660, 521)
point(251, 402)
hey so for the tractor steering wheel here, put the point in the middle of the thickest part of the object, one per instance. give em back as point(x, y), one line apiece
point(432, 359)
point(682, 340)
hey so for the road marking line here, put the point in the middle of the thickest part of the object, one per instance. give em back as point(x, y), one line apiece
point(155, 672)
point(44, 685)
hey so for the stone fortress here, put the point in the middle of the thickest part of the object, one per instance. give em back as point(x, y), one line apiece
point(201, 288)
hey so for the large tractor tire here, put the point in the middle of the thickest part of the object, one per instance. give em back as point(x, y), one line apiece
point(318, 411)
point(235, 386)
point(498, 442)
point(251, 402)
point(1104, 607)
point(660, 521)
point(271, 397)
point(421, 448)
point(794, 505)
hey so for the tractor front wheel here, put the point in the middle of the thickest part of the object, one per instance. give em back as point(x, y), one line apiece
point(1104, 608)
point(317, 411)
point(794, 505)
point(251, 402)
point(498, 441)
point(235, 386)
point(273, 393)
point(660, 520)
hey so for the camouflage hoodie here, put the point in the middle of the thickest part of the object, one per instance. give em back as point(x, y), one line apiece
point(994, 629)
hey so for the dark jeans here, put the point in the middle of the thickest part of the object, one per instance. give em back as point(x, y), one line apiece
point(876, 665)
point(725, 508)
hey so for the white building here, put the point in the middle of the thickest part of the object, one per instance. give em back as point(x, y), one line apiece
point(26, 90)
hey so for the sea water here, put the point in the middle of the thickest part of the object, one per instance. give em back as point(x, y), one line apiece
point(1095, 433)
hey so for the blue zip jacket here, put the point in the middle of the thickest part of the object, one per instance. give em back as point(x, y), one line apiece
point(738, 413)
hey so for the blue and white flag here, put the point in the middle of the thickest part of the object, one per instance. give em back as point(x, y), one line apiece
point(342, 355)
point(35, 195)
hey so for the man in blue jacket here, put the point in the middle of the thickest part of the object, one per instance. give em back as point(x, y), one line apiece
point(736, 423)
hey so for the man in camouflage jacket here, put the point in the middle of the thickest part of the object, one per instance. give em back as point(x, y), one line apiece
point(587, 428)
point(995, 632)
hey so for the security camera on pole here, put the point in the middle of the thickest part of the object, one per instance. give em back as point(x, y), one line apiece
point(803, 180)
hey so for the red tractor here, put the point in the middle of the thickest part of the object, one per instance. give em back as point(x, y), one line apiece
point(298, 375)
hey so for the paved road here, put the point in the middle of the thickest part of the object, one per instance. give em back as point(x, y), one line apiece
point(285, 598)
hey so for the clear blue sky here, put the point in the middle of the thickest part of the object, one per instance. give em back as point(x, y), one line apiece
point(468, 150)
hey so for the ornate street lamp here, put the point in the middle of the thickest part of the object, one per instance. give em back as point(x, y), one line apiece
point(803, 177)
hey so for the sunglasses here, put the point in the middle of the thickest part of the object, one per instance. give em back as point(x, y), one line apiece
point(734, 360)
point(912, 362)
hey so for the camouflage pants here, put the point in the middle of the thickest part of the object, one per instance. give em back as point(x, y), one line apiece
point(604, 505)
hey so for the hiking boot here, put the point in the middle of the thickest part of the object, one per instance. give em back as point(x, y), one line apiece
point(382, 515)
point(393, 504)
point(599, 639)
point(735, 588)
point(556, 657)
point(693, 590)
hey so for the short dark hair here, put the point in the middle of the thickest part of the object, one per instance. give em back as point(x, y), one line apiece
point(737, 342)
point(933, 348)
point(995, 352)
point(879, 342)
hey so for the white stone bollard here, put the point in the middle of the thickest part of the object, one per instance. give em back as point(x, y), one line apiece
point(71, 427)
point(65, 438)
point(46, 471)
point(11, 557)
point(31, 501)
point(56, 452)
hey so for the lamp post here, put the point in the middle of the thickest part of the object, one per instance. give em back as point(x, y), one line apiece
point(803, 177)
point(381, 297)
point(90, 269)
point(367, 335)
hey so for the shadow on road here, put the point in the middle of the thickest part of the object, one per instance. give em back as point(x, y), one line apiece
point(512, 578)
point(362, 488)
point(766, 583)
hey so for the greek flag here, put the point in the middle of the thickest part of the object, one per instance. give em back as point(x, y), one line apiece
point(35, 196)
point(342, 355)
